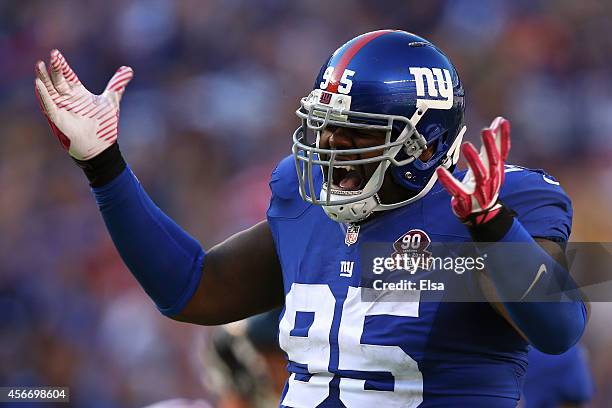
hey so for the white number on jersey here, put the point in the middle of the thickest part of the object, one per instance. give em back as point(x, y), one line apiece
point(313, 350)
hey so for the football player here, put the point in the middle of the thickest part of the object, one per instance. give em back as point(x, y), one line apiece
point(374, 160)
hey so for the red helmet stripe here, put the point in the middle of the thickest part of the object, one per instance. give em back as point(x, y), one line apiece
point(348, 55)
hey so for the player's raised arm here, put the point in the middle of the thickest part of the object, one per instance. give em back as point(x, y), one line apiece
point(237, 278)
point(244, 270)
point(523, 283)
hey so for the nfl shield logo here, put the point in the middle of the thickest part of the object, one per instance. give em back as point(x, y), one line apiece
point(325, 98)
point(352, 233)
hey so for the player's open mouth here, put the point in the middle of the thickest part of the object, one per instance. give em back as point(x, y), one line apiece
point(348, 178)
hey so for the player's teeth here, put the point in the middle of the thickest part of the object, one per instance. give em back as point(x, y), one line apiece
point(348, 168)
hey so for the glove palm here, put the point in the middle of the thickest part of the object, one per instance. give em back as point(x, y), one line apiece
point(85, 124)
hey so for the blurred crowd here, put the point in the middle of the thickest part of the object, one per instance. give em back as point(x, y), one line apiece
point(206, 118)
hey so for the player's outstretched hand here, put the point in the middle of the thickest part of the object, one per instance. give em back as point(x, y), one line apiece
point(475, 198)
point(85, 124)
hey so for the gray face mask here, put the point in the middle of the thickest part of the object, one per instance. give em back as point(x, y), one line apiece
point(354, 206)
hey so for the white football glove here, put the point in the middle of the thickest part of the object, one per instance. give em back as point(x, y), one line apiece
point(85, 124)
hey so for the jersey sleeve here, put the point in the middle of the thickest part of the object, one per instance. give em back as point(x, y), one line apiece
point(286, 201)
point(541, 205)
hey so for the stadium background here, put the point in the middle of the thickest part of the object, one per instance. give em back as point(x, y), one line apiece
point(209, 113)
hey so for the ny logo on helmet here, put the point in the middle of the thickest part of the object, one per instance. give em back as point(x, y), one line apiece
point(325, 98)
point(438, 86)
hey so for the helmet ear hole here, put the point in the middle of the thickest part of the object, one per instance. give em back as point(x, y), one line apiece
point(429, 152)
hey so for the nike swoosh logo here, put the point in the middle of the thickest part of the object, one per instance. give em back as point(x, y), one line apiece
point(541, 271)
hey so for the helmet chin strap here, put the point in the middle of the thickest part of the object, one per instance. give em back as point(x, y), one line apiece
point(362, 209)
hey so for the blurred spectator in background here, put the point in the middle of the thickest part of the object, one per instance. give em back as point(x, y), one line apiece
point(244, 364)
point(210, 112)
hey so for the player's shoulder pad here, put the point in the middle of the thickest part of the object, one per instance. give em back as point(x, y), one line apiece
point(286, 201)
point(541, 205)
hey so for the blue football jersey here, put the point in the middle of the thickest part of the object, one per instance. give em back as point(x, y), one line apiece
point(553, 381)
point(344, 351)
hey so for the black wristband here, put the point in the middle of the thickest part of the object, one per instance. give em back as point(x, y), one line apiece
point(103, 168)
point(495, 229)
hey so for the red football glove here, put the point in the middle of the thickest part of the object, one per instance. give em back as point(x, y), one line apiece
point(475, 198)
